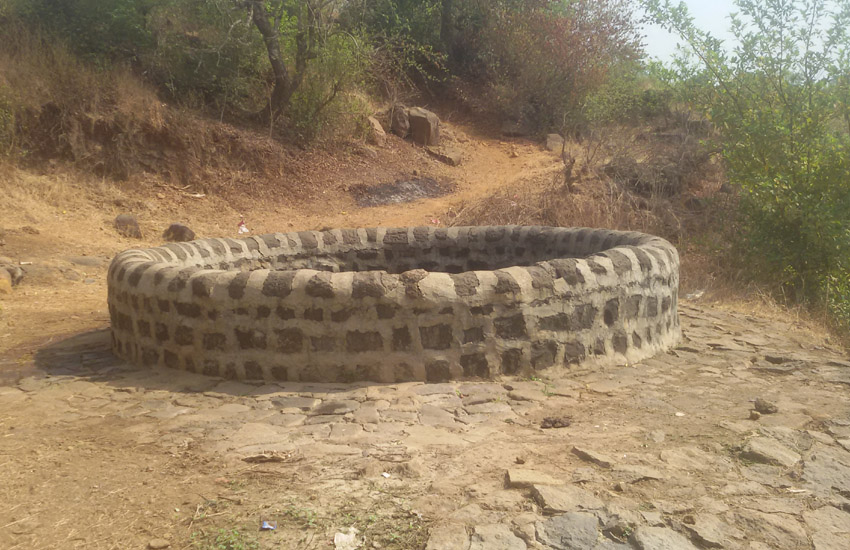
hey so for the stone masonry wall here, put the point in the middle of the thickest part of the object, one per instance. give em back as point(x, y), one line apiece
point(395, 304)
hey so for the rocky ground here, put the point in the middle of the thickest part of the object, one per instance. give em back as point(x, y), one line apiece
point(740, 438)
point(665, 454)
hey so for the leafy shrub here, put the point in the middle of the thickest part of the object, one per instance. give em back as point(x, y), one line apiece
point(322, 102)
point(206, 55)
point(779, 102)
point(97, 29)
point(627, 95)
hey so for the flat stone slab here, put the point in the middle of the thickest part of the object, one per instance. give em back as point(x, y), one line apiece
point(711, 532)
point(571, 531)
point(523, 479)
point(336, 407)
point(769, 451)
point(661, 538)
point(432, 389)
point(496, 537)
point(448, 537)
point(303, 403)
point(600, 459)
point(565, 498)
point(829, 526)
point(633, 473)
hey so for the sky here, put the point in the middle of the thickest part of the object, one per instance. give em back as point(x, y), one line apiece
point(709, 15)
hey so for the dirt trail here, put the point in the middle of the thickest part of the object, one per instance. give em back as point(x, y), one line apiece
point(98, 454)
point(65, 228)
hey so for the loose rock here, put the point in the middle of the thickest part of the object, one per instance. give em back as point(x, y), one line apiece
point(518, 478)
point(15, 273)
point(554, 143)
point(769, 451)
point(567, 498)
point(128, 226)
point(450, 156)
point(337, 407)
point(178, 233)
point(599, 459)
point(424, 126)
point(158, 544)
point(765, 407)
point(555, 422)
point(377, 135)
point(302, 403)
point(400, 121)
point(5, 282)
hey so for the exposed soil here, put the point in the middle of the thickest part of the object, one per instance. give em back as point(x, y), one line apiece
point(407, 190)
point(666, 453)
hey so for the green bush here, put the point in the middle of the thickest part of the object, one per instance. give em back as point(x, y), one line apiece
point(628, 95)
point(206, 55)
point(322, 102)
point(779, 102)
point(97, 29)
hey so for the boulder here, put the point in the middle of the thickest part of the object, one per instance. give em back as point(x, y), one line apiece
point(554, 143)
point(178, 233)
point(424, 126)
point(377, 135)
point(400, 122)
point(127, 225)
point(15, 273)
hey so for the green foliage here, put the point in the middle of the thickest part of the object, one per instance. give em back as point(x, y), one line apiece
point(206, 54)
point(780, 102)
point(535, 59)
point(836, 288)
point(322, 102)
point(416, 20)
point(99, 29)
point(627, 95)
point(405, 41)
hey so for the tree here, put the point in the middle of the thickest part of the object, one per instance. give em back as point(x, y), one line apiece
point(779, 100)
point(303, 22)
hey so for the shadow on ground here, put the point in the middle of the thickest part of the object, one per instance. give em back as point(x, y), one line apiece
point(88, 355)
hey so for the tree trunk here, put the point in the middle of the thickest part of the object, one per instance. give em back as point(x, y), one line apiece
point(283, 84)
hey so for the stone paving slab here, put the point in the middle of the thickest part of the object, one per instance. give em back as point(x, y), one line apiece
point(660, 454)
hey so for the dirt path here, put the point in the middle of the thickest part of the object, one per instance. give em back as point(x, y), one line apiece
point(97, 454)
point(63, 229)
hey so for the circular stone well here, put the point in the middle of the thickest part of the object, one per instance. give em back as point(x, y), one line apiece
point(395, 304)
